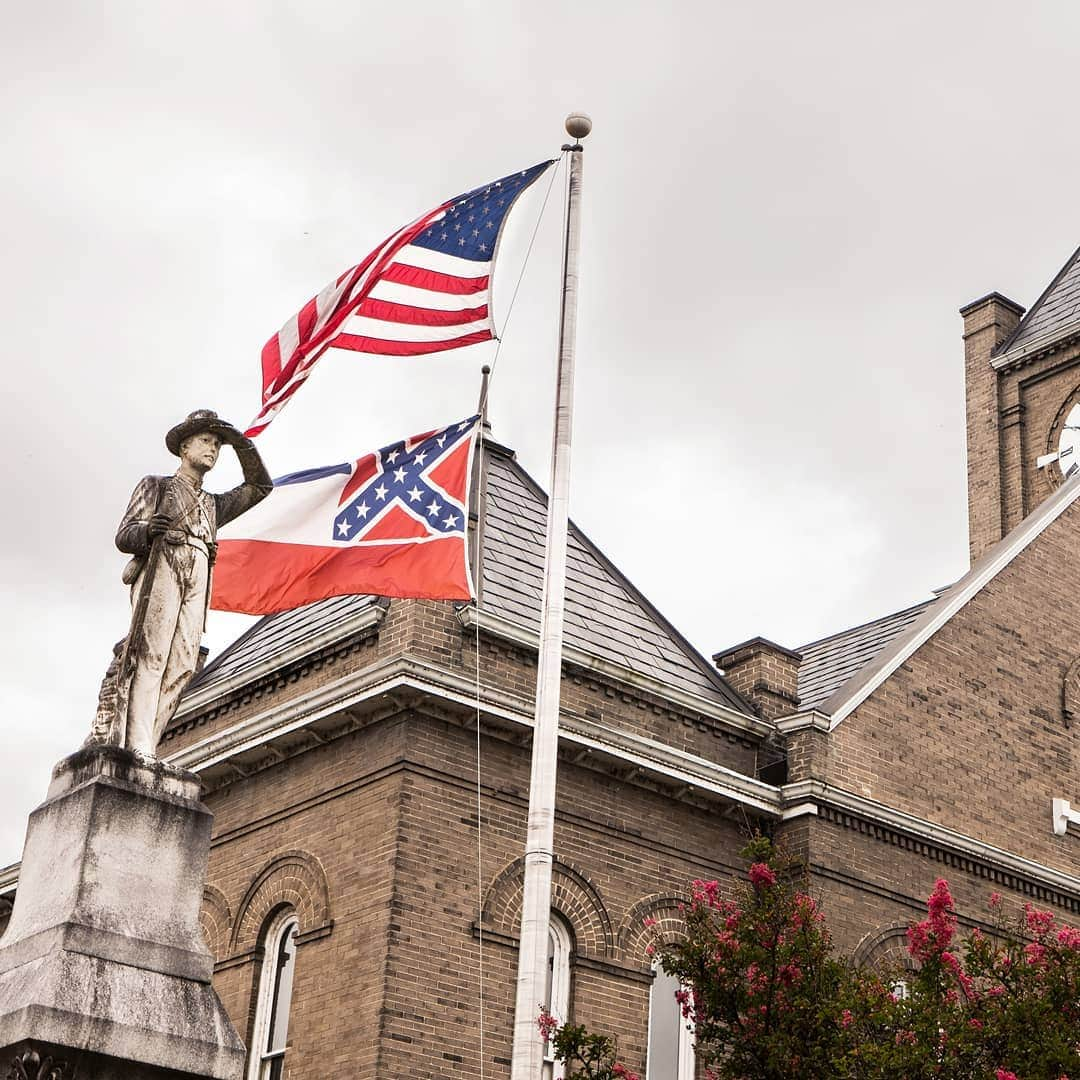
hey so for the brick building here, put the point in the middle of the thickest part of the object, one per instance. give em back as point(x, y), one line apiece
point(352, 898)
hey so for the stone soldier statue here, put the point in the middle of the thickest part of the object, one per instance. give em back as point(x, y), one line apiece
point(170, 529)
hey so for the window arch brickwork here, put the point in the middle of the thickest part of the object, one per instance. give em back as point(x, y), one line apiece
point(294, 879)
point(572, 895)
point(885, 947)
point(215, 918)
point(635, 937)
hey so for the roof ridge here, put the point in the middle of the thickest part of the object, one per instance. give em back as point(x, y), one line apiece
point(867, 624)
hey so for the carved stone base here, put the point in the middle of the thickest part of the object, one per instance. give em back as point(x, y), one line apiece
point(103, 963)
point(34, 1060)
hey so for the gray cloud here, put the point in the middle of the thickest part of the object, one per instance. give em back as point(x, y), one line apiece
point(785, 206)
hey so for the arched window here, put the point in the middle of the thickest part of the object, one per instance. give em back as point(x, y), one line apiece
point(271, 1031)
point(557, 987)
point(671, 1045)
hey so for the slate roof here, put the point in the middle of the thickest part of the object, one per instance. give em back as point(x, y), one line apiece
point(278, 634)
point(829, 663)
point(1054, 316)
point(605, 614)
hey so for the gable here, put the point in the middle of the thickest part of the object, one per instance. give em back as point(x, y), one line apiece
point(1033, 529)
point(968, 729)
point(831, 662)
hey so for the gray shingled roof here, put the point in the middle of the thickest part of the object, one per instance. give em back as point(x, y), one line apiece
point(605, 615)
point(829, 663)
point(276, 635)
point(1055, 315)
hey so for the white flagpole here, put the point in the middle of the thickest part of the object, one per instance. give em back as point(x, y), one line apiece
point(528, 1053)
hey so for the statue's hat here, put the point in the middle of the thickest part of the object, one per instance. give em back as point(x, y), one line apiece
point(196, 422)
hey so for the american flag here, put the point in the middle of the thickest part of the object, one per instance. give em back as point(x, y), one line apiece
point(425, 289)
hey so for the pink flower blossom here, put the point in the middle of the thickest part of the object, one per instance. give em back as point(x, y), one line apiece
point(995, 899)
point(1038, 922)
point(1004, 1074)
point(649, 923)
point(762, 875)
point(547, 1024)
point(1035, 953)
point(623, 1072)
point(931, 937)
point(705, 892)
point(846, 1018)
point(789, 974)
point(1069, 937)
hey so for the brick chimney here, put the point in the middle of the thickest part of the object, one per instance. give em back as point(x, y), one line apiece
point(765, 673)
point(987, 323)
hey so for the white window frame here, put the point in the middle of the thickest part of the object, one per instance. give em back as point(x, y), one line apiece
point(558, 1003)
point(260, 1061)
point(656, 1070)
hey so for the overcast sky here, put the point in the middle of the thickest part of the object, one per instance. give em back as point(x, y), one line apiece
point(785, 205)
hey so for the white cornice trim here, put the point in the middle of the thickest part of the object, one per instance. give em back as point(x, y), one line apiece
point(517, 634)
point(852, 694)
point(662, 760)
point(406, 672)
point(809, 720)
point(354, 688)
point(1054, 343)
point(366, 619)
point(819, 793)
point(805, 797)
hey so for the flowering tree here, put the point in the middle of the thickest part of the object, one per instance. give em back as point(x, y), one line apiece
point(584, 1056)
point(1005, 1005)
point(770, 999)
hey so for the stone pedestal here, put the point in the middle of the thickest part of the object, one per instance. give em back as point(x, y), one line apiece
point(103, 966)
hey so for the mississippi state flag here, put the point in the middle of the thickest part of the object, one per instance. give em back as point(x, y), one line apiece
point(392, 523)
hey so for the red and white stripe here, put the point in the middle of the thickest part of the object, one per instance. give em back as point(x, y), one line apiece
point(402, 300)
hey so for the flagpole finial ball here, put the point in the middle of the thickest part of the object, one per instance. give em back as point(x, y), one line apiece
point(578, 125)
point(485, 370)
